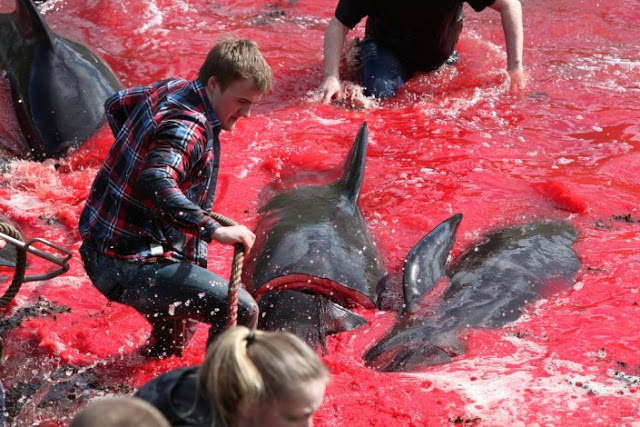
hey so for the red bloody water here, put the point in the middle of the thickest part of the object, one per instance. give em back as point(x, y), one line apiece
point(453, 141)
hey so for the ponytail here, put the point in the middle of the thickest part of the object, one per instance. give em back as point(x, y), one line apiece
point(255, 367)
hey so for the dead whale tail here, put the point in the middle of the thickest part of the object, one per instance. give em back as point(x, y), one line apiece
point(353, 173)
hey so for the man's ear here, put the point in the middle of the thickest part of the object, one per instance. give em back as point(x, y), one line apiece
point(212, 83)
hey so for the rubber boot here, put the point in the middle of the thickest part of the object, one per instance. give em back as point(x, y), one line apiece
point(169, 336)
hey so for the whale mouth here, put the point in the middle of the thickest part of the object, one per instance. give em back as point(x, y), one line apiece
point(446, 351)
point(311, 317)
point(334, 291)
point(406, 356)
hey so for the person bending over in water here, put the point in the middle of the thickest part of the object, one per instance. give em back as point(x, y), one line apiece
point(248, 378)
point(119, 412)
point(146, 224)
point(408, 36)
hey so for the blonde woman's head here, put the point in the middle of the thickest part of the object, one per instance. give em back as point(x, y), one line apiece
point(263, 376)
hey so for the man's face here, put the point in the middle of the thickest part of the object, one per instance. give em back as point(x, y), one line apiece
point(234, 102)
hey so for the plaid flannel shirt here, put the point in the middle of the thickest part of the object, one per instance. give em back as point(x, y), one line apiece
point(153, 195)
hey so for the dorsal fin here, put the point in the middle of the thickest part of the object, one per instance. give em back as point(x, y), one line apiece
point(30, 23)
point(353, 173)
point(425, 263)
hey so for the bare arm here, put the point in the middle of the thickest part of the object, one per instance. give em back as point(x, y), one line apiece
point(511, 14)
point(334, 39)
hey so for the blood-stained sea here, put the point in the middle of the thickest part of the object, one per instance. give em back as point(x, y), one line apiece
point(452, 141)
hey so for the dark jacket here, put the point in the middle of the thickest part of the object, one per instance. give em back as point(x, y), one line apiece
point(177, 395)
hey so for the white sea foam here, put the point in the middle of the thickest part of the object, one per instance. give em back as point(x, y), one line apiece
point(497, 389)
point(151, 18)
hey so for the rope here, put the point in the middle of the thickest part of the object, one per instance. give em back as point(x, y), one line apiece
point(236, 270)
point(234, 280)
point(21, 265)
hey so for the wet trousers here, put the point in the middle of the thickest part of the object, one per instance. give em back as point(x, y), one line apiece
point(381, 71)
point(166, 290)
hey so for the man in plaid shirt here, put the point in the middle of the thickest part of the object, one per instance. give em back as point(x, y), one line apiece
point(146, 224)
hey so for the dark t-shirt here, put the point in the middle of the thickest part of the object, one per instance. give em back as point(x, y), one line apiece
point(422, 33)
point(177, 396)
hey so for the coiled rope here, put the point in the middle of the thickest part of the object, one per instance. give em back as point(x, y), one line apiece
point(21, 265)
point(236, 270)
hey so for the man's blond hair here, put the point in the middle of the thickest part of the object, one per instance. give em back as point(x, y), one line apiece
point(234, 59)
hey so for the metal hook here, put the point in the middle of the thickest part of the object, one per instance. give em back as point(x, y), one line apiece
point(28, 246)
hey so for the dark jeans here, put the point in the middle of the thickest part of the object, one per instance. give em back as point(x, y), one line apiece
point(382, 73)
point(166, 290)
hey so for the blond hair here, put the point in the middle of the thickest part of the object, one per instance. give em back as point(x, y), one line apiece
point(119, 412)
point(234, 59)
point(257, 367)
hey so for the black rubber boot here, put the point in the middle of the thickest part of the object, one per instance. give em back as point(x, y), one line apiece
point(169, 337)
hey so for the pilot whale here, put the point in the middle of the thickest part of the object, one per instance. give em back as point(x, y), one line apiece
point(58, 86)
point(490, 284)
point(314, 256)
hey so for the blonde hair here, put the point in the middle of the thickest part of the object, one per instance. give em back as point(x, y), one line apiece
point(236, 59)
point(119, 412)
point(257, 367)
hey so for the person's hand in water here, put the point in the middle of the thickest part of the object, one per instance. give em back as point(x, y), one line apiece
point(330, 88)
point(518, 81)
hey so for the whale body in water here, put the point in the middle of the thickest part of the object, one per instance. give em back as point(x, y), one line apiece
point(490, 284)
point(58, 86)
point(314, 256)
